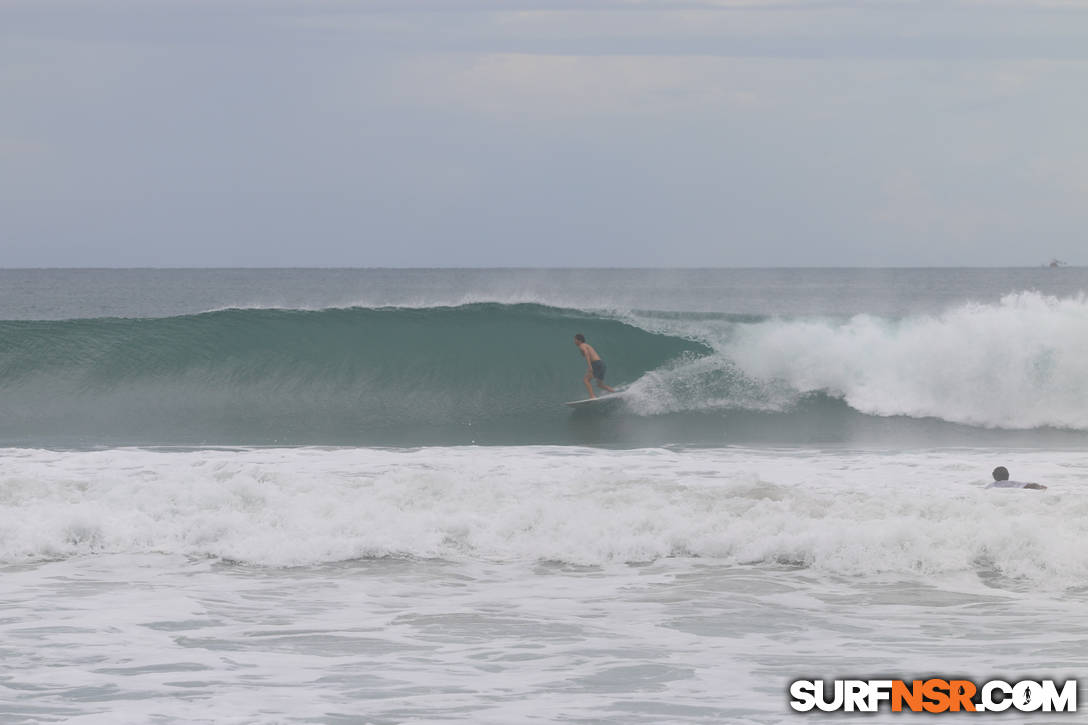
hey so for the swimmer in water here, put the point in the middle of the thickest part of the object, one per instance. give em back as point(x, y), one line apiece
point(1001, 480)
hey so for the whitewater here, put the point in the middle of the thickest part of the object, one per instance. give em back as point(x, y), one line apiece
point(354, 496)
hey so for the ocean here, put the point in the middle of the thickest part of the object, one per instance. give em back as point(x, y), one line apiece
point(355, 496)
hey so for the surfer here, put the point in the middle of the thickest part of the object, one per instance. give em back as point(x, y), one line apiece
point(1001, 480)
point(595, 369)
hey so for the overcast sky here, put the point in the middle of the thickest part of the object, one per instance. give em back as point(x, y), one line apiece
point(550, 133)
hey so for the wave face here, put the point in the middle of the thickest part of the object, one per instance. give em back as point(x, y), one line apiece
point(498, 373)
point(386, 375)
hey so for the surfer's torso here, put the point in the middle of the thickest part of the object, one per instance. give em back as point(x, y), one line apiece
point(590, 354)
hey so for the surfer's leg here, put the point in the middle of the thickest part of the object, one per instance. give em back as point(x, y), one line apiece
point(588, 380)
point(598, 373)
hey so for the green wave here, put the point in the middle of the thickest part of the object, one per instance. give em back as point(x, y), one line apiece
point(357, 375)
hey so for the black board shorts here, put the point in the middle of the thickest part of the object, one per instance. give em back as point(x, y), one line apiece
point(598, 369)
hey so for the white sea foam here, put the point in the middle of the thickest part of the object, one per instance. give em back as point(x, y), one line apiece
point(1018, 364)
point(917, 513)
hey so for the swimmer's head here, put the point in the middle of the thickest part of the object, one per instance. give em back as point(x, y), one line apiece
point(1001, 474)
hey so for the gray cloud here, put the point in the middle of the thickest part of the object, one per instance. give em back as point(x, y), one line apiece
point(425, 133)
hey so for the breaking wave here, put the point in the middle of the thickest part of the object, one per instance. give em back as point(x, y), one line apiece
point(497, 373)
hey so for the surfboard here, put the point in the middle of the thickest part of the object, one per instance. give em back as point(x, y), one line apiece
point(595, 402)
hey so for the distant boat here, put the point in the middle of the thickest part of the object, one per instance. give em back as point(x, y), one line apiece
point(1055, 263)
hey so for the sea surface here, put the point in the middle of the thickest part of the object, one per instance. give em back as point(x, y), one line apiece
point(355, 496)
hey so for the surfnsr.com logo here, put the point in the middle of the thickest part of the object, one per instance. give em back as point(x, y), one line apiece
point(933, 695)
